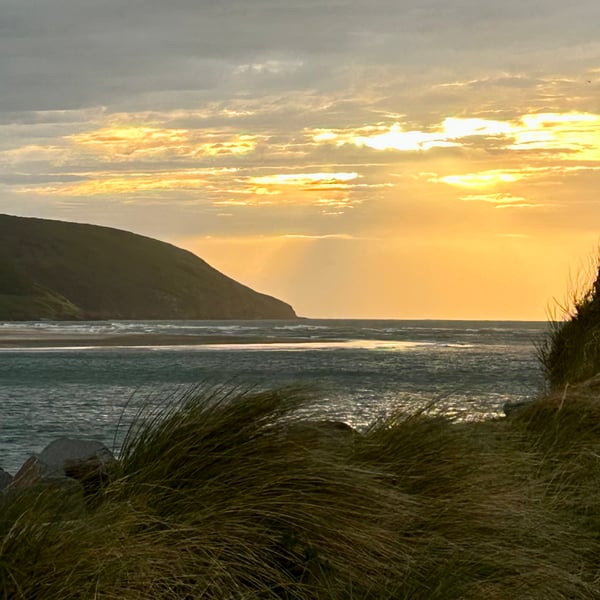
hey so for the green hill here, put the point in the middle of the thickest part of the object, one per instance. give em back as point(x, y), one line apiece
point(59, 270)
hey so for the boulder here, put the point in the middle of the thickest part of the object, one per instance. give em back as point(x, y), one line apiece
point(5, 478)
point(66, 454)
point(83, 460)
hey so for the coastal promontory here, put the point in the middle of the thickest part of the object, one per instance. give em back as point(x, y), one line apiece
point(63, 271)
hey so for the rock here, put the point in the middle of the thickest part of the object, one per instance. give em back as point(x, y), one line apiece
point(83, 460)
point(30, 473)
point(5, 478)
point(67, 454)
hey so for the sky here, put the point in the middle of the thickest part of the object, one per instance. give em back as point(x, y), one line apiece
point(355, 158)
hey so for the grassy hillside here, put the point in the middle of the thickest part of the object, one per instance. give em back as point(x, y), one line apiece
point(54, 269)
point(21, 297)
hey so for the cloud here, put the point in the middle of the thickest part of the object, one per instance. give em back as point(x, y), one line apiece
point(108, 183)
point(141, 141)
point(330, 193)
point(500, 177)
point(327, 236)
point(566, 135)
point(305, 179)
point(482, 179)
point(494, 198)
point(273, 67)
point(502, 201)
point(69, 54)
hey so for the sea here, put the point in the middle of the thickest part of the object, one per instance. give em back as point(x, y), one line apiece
point(87, 380)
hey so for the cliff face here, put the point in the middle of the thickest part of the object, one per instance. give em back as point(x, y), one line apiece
point(59, 270)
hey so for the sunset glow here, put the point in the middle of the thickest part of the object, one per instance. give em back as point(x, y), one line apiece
point(359, 169)
point(304, 178)
point(134, 142)
point(484, 179)
point(577, 135)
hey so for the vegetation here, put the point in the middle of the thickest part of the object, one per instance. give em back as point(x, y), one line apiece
point(20, 297)
point(571, 353)
point(250, 495)
point(57, 270)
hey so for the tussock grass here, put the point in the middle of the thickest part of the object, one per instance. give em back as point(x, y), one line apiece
point(570, 353)
point(227, 494)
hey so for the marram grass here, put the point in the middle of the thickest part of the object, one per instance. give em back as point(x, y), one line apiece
point(570, 353)
point(251, 495)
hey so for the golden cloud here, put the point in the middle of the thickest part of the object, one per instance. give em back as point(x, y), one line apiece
point(292, 188)
point(493, 198)
point(305, 179)
point(129, 142)
point(222, 187)
point(501, 200)
point(327, 236)
point(574, 135)
point(130, 183)
point(571, 135)
point(494, 177)
point(481, 179)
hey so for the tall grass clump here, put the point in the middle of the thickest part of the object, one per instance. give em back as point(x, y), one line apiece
point(563, 427)
point(571, 351)
point(482, 529)
point(239, 481)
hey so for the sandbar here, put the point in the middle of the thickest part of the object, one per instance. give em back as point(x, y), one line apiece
point(27, 339)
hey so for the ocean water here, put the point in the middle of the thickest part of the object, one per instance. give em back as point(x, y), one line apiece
point(359, 370)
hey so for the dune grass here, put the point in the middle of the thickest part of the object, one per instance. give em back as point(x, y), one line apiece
point(571, 351)
point(231, 494)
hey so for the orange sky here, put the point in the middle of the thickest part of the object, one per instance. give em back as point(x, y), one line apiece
point(433, 162)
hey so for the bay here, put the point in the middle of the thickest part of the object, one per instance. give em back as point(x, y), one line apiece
point(89, 379)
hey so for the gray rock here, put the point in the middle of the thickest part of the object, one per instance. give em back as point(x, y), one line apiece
point(64, 454)
point(66, 459)
point(5, 478)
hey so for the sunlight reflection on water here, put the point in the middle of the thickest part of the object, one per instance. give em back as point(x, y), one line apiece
point(356, 371)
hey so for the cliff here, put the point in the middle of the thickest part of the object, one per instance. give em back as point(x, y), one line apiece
point(60, 270)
